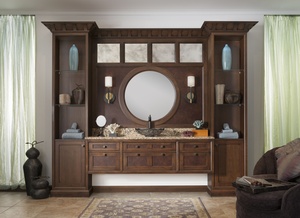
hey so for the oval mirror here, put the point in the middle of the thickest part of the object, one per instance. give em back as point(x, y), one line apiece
point(149, 92)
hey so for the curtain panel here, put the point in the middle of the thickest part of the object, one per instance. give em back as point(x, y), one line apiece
point(281, 80)
point(17, 96)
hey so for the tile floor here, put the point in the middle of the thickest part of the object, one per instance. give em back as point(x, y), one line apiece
point(19, 205)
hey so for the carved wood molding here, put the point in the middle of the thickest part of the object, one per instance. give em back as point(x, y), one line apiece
point(60, 27)
point(150, 33)
point(234, 26)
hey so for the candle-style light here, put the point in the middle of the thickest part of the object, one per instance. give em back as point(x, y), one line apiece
point(190, 83)
point(109, 97)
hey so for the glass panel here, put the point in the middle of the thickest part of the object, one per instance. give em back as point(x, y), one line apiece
point(191, 52)
point(136, 53)
point(108, 53)
point(163, 52)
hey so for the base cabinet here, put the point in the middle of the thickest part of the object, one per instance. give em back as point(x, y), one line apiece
point(69, 169)
point(229, 163)
point(150, 156)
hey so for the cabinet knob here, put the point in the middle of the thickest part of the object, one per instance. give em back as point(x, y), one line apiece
point(83, 145)
point(195, 146)
point(104, 146)
point(137, 146)
point(163, 154)
point(163, 146)
point(196, 154)
point(105, 155)
point(138, 154)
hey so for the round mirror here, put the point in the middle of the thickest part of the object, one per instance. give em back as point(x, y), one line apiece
point(149, 92)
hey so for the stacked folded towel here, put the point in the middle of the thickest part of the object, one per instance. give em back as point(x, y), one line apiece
point(227, 133)
point(73, 133)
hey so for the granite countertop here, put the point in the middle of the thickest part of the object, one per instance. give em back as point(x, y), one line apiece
point(130, 133)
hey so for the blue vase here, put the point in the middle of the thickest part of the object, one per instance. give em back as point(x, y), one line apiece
point(226, 58)
point(73, 57)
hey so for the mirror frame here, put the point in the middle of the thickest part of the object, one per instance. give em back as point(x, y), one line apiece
point(123, 86)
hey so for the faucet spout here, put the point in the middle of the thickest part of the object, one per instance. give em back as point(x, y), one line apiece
point(149, 122)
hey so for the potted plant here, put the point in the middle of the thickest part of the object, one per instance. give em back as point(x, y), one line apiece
point(200, 131)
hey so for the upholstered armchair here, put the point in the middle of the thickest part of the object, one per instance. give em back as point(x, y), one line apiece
point(274, 204)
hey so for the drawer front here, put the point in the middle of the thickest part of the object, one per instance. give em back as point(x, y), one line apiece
point(195, 162)
point(110, 146)
point(135, 146)
point(153, 162)
point(195, 146)
point(104, 162)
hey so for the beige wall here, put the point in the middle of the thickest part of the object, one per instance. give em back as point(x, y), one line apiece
point(168, 20)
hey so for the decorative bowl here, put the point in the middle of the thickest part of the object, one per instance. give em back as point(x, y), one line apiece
point(149, 132)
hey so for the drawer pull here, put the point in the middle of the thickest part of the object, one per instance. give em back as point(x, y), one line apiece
point(196, 154)
point(83, 145)
point(163, 154)
point(137, 146)
point(104, 146)
point(105, 155)
point(138, 154)
point(195, 146)
point(163, 146)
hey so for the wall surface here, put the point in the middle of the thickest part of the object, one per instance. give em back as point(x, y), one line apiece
point(154, 20)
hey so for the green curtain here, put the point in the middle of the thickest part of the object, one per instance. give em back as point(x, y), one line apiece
point(17, 96)
point(282, 80)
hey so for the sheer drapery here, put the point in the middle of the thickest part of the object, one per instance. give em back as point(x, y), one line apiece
point(282, 80)
point(17, 96)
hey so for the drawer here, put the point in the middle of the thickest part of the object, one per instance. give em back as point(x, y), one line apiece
point(195, 162)
point(104, 162)
point(135, 146)
point(103, 146)
point(149, 162)
point(195, 146)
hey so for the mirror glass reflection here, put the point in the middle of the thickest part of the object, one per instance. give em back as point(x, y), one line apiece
point(150, 93)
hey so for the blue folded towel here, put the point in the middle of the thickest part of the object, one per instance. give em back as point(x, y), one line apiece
point(68, 135)
point(73, 130)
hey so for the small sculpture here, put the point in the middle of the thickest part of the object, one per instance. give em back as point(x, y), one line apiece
point(112, 129)
point(198, 124)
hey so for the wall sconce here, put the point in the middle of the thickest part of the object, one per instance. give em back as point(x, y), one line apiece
point(109, 97)
point(190, 97)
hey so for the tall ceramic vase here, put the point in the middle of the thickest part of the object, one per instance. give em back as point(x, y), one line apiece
point(226, 58)
point(73, 57)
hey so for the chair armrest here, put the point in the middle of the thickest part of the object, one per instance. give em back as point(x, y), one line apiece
point(290, 202)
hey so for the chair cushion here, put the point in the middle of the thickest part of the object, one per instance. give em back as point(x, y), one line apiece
point(266, 201)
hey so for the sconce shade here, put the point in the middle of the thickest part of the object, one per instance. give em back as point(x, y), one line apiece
point(191, 81)
point(108, 81)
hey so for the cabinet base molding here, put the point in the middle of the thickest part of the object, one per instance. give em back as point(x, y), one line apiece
point(71, 193)
point(221, 192)
point(149, 189)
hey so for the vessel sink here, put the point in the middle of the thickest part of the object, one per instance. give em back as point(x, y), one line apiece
point(149, 132)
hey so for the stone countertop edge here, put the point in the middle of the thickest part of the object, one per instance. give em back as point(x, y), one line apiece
point(148, 138)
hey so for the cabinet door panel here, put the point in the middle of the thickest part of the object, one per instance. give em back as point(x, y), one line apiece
point(229, 162)
point(69, 162)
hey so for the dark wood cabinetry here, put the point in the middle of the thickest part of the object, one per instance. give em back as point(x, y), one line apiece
point(104, 157)
point(230, 155)
point(223, 159)
point(150, 156)
point(195, 156)
point(69, 172)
